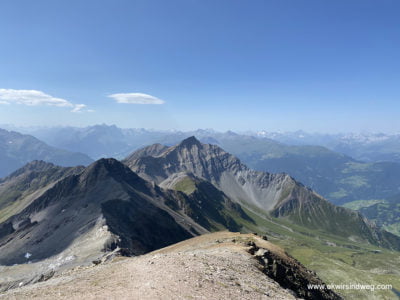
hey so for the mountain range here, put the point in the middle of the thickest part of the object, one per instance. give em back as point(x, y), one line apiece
point(278, 194)
point(18, 149)
point(337, 176)
point(97, 141)
point(369, 147)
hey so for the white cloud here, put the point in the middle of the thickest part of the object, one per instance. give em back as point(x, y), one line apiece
point(78, 108)
point(36, 98)
point(31, 97)
point(136, 98)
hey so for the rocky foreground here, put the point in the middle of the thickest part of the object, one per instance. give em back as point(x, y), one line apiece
point(221, 265)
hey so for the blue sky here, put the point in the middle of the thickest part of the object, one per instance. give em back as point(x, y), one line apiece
point(323, 66)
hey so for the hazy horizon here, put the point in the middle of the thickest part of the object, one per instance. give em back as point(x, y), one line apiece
point(11, 127)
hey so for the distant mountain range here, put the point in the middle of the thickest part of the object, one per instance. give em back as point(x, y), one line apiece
point(369, 147)
point(337, 177)
point(95, 140)
point(18, 149)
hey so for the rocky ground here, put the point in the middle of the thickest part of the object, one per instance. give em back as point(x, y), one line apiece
point(214, 266)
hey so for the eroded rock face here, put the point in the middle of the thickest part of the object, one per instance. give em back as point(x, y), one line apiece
point(213, 164)
point(290, 273)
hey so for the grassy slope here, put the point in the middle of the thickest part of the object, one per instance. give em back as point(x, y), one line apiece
point(186, 185)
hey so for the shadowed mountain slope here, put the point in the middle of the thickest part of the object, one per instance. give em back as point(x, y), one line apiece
point(104, 194)
point(206, 204)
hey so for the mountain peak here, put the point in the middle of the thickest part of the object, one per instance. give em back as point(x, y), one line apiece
point(189, 142)
point(106, 167)
point(33, 166)
point(109, 164)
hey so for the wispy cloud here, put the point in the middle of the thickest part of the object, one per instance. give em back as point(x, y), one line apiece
point(32, 98)
point(136, 98)
point(78, 108)
point(36, 98)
